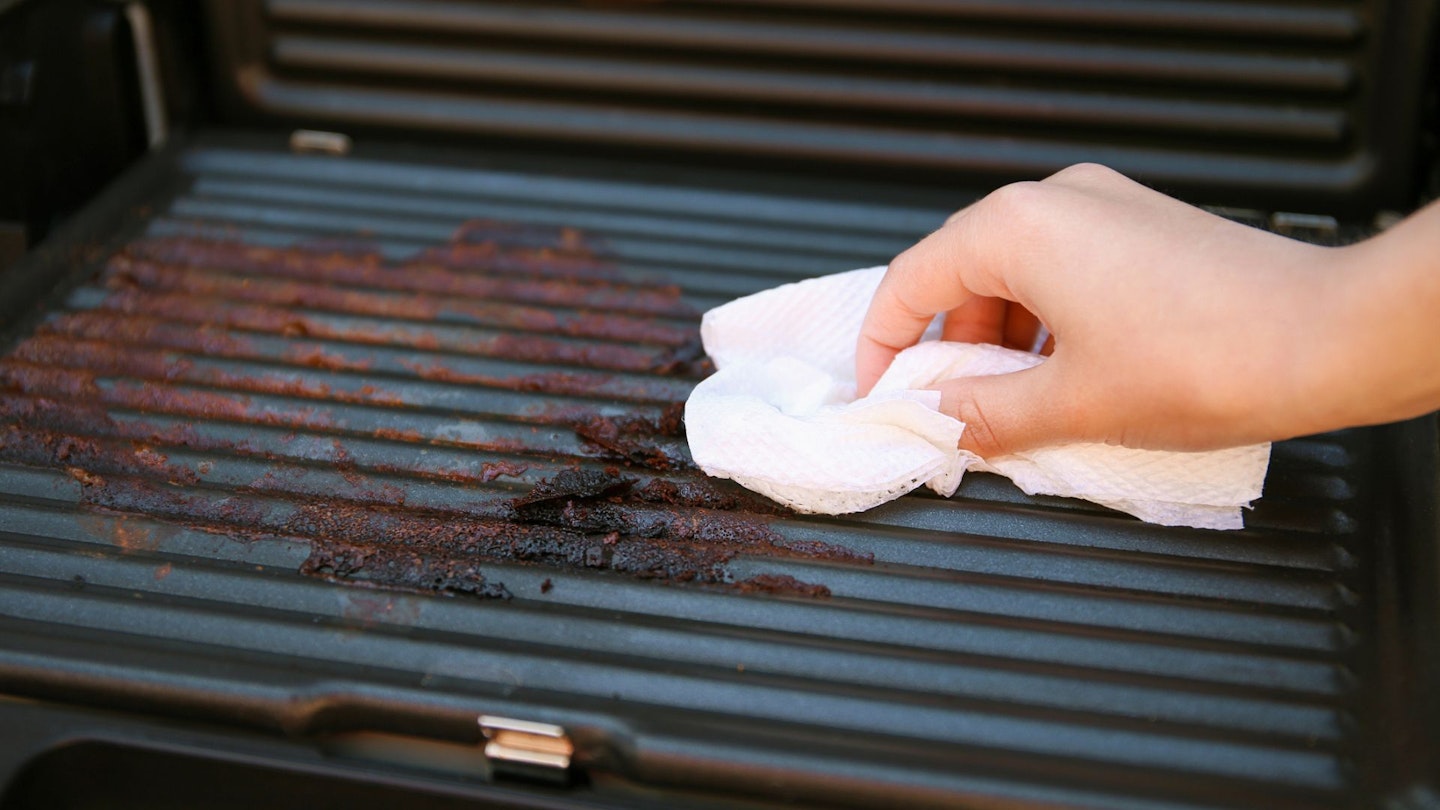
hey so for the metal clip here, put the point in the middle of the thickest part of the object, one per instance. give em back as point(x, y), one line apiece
point(526, 749)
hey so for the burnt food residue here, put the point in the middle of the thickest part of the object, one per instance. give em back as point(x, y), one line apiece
point(510, 396)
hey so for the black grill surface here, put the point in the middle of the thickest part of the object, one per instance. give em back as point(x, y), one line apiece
point(269, 486)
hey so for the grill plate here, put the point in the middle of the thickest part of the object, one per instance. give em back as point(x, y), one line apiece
point(991, 645)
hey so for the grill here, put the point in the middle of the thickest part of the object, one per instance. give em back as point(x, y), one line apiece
point(360, 478)
point(285, 371)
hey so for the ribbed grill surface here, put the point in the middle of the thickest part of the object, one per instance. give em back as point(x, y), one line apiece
point(1273, 97)
point(204, 425)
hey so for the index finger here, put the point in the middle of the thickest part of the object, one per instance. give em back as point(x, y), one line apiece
point(920, 283)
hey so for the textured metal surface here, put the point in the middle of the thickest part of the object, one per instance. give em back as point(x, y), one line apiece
point(1264, 104)
point(992, 646)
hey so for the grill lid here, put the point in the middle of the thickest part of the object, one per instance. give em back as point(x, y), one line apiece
point(1299, 106)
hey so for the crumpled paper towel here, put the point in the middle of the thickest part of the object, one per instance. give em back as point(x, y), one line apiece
point(780, 417)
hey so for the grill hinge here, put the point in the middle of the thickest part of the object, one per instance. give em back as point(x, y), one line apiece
point(526, 749)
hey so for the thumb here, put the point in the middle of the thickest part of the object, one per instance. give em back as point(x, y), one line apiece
point(1003, 413)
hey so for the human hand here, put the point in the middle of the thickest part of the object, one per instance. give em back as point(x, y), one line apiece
point(1173, 328)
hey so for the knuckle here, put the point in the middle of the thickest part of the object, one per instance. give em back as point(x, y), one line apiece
point(979, 434)
point(1012, 211)
point(1015, 198)
point(903, 263)
point(905, 296)
point(906, 267)
point(1087, 173)
point(1078, 418)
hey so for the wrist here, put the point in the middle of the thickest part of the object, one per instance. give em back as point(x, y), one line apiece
point(1376, 329)
point(1291, 352)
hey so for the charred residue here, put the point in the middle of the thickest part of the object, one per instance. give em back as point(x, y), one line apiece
point(522, 335)
point(638, 439)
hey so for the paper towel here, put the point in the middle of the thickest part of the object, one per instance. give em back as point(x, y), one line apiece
point(780, 417)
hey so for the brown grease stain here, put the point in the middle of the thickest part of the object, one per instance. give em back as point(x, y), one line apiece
point(175, 308)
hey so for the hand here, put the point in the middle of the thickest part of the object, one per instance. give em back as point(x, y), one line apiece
point(1173, 328)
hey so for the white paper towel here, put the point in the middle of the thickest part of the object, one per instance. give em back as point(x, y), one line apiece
point(780, 417)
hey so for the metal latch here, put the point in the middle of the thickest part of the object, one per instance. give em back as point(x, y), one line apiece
point(527, 749)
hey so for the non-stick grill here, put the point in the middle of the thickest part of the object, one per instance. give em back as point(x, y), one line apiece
point(268, 365)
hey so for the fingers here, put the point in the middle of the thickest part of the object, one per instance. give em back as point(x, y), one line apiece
point(920, 283)
point(985, 245)
point(986, 319)
point(982, 319)
point(1004, 413)
point(1021, 327)
point(888, 329)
